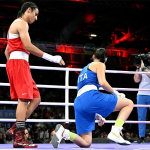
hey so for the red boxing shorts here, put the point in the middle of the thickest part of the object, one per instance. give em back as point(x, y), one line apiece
point(22, 85)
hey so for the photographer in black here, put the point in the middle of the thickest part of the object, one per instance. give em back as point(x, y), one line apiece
point(142, 63)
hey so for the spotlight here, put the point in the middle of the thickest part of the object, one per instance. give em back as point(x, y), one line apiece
point(93, 35)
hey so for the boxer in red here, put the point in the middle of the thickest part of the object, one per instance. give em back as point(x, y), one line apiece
point(22, 86)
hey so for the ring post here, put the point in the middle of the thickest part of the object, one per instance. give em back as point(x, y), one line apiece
point(67, 96)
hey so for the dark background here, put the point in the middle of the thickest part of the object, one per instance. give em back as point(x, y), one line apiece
point(123, 25)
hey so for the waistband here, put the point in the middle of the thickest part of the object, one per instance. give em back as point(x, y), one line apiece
point(19, 55)
point(85, 89)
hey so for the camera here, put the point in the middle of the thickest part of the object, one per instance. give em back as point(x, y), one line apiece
point(138, 57)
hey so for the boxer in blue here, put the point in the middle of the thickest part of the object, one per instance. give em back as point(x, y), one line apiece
point(90, 104)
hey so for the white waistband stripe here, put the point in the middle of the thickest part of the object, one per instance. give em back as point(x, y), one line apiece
point(85, 89)
point(19, 55)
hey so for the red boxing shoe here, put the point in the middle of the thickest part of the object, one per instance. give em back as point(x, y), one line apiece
point(11, 131)
point(20, 141)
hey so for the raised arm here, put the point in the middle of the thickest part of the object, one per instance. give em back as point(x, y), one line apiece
point(137, 77)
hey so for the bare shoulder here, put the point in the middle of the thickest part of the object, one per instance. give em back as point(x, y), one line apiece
point(94, 66)
point(22, 24)
point(18, 25)
point(101, 65)
point(98, 64)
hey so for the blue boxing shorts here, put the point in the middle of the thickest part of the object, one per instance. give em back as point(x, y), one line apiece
point(89, 103)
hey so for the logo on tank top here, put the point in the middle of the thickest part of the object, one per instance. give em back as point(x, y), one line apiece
point(82, 77)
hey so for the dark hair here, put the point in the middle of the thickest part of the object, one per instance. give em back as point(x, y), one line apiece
point(25, 6)
point(101, 54)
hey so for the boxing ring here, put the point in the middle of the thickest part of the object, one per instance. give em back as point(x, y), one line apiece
point(66, 87)
point(74, 147)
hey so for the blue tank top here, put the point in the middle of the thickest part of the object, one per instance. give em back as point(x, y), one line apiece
point(87, 77)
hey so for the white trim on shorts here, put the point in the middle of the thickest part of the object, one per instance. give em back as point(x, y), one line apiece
point(19, 55)
point(85, 89)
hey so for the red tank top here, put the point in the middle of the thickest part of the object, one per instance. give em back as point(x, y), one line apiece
point(15, 43)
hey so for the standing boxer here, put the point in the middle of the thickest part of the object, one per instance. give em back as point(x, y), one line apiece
point(22, 86)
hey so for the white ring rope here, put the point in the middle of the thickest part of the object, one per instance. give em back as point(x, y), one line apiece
point(58, 104)
point(77, 69)
point(47, 86)
point(75, 87)
point(69, 120)
point(67, 87)
point(42, 103)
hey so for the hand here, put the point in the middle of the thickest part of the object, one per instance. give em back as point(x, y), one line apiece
point(100, 119)
point(62, 62)
point(119, 94)
point(55, 59)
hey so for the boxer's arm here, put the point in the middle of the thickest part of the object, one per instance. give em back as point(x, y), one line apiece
point(102, 80)
point(24, 35)
point(25, 38)
point(7, 52)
